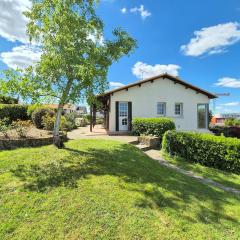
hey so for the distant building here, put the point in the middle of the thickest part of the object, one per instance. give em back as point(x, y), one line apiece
point(81, 110)
point(70, 108)
point(220, 118)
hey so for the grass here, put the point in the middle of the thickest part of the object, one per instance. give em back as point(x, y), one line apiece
point(226, 178)
point(96, 189)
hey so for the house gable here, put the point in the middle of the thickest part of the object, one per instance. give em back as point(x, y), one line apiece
point(162, 77)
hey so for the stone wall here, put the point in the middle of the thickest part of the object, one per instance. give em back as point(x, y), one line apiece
point(7, 144)
point(150, 141)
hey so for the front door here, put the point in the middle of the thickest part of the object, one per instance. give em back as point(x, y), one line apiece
point(123, 116)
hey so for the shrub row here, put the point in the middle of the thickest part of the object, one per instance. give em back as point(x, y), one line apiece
point(226, 131)
point(209, 150)
point(152, 126)
point(13, 112)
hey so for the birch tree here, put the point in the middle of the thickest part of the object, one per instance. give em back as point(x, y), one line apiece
point(75, 55)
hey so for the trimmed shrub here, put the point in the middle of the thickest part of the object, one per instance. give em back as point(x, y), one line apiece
point(38, 114)
point(233, 131)
point(13, 112)
point(152, 126)
point(209, 150)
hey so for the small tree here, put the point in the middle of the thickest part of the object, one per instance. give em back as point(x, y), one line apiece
point(75, 58)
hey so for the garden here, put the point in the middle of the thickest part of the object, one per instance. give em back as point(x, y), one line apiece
point(26, 122)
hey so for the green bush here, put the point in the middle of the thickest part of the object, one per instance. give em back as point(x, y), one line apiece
point(209, 150)
point(8, 100)
point(233, 131)
point(232, 122)
point(70, 121)
point(5, 126)
point(13, 112)
point(152, 126)
point(39, 113)
point(80, 122)
point(49, 121)
point(21, 127)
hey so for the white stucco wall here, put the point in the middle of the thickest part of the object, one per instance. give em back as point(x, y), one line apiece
point(144, 102)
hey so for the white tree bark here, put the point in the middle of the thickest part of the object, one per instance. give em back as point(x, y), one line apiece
point(56, 136)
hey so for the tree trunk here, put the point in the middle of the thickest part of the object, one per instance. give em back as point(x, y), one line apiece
point(57, 141)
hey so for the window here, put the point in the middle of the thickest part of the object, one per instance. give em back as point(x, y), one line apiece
point(202, 115)
point(124, 121)
point(123, 109)
point(161, 108)
point(178, 109)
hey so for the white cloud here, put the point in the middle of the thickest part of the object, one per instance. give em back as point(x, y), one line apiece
point(228, 82)
point(115, 84)
point(96, 38)
point(12, 21)
point(231, 104)
point(123, 10)
point(21, 56)
point(143, 70)
point(212, 40)
point(143, 12)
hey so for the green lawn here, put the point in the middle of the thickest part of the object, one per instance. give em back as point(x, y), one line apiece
point(96, 189)
point(226, 178)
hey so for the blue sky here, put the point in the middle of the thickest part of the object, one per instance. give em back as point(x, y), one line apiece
point(196, 40)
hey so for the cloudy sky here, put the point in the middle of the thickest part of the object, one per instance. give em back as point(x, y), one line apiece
point(196, 40)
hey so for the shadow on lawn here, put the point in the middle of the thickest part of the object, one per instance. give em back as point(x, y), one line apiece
point(160, 187)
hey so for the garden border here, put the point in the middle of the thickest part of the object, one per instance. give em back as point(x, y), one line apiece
point(8, 144)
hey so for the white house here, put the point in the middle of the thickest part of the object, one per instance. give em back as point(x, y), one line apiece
point(160, 96)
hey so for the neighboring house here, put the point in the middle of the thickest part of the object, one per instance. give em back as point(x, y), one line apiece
point(160, 96)
point(70, 108)
point(67, 108)
point(81, 109)
point(219, 119)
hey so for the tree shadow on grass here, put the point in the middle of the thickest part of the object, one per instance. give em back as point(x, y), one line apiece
point(128, 163)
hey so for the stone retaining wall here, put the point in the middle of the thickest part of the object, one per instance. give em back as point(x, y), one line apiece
point(150, 141)
point(27, 142)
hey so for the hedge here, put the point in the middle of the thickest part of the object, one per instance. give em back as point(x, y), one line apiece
point(209, 150)
point(232, 131)
point(13, 112)
point(152, 126)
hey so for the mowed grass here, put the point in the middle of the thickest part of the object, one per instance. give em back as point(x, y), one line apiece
point(96, 189)
point(226, 178)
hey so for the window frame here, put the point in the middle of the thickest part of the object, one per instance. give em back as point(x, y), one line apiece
point(206, 115)
point(164, 104)
point(181, 109)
